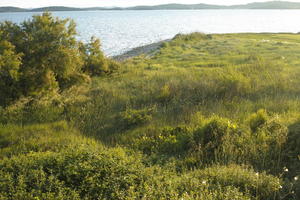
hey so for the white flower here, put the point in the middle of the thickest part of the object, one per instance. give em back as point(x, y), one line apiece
point(285, 169)
point(203, 182)
point(296, 178)
point(257, 174)
point(280, 186)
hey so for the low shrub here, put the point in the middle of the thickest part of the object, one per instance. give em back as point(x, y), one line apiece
point(110, 174)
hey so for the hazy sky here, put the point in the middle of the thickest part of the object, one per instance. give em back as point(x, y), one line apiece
point(122, 3)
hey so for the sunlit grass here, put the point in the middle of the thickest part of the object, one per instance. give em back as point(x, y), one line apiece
point(218, 111)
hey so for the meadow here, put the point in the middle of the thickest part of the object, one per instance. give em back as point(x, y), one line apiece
point(206, 116)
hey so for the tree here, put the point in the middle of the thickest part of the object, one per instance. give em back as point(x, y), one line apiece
point(95, 63)
point(41, 56)
point(51, 59)
point(9, 72)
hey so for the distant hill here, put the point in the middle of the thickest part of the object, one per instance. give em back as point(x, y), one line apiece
point(12, 9)
point(269, 5)
point(176, 7)
point(55, 8)
point(256, 5)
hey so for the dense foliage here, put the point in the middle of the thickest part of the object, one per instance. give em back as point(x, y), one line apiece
point(208, 117)
point(41, 56)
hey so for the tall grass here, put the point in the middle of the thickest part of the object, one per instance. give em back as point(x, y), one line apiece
point(206, 117)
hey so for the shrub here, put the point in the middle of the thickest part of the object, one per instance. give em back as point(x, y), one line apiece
point(131, 117)
point(191, 37)
point(214, 139)
point(34, 110)
point(258, 119)
point(79, 173)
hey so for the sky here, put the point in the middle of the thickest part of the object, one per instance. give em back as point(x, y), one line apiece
point(110, 3)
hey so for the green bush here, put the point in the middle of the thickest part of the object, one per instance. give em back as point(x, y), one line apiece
point(50, 56)
point(168, 140)
point(131, 117)
point(15, 140)
point(41, 57)
point(81, 174)
point(95, 63)
point(214, 139)
point(258, 185)
point(10, 63)
point(258, 119)
point(34, 110)
point(190, 37)
point(265, 146)
point(85, 174)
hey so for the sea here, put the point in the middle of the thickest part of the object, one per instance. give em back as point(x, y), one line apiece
point(120, 31)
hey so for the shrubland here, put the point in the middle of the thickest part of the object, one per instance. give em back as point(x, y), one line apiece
point(205, 117)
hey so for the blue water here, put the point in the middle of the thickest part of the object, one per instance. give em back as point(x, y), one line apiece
point(120, 31)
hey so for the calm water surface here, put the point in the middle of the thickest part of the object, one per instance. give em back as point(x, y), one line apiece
point(120, 31)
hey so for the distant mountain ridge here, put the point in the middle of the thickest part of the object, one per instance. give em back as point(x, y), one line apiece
point(12, 9)
point(255, 5)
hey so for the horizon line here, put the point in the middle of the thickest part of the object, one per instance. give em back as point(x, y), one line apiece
point(110, 7)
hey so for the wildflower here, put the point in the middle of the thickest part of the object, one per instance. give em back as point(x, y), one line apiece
point(296, 178)
point(203, 182)
point(280, 186)
point(285, 169)
point(257, 174)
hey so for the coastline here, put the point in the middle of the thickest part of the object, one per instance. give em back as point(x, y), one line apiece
point(148, 50)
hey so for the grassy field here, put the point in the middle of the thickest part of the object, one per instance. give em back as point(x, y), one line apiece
point(206, 117)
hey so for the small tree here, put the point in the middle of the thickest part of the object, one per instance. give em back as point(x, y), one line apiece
point(95, 63)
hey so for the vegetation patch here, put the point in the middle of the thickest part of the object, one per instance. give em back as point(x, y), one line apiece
point(208, 117)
